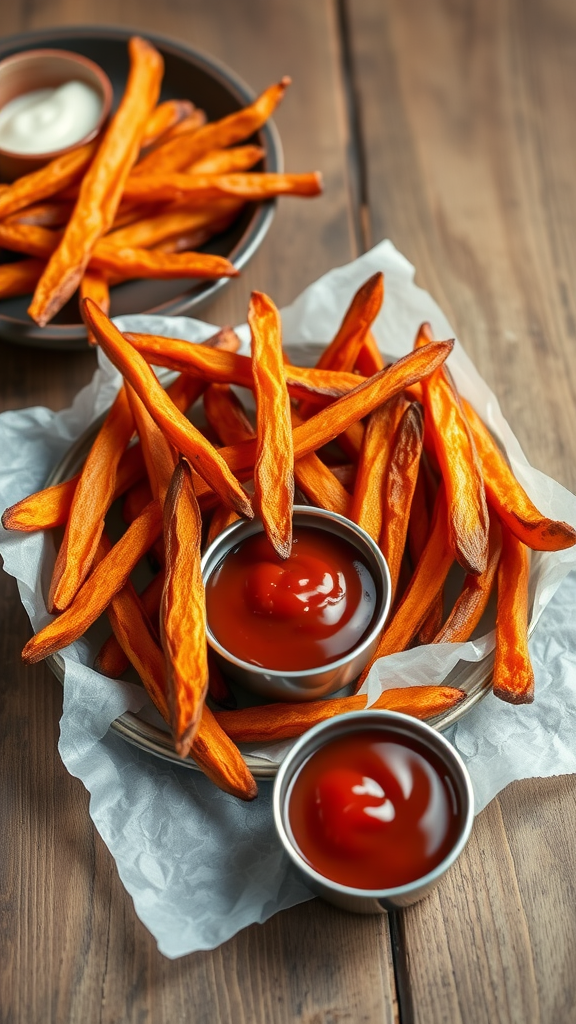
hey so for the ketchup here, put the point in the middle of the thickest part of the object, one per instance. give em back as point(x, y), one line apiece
point(372, 811)
point(299, 613)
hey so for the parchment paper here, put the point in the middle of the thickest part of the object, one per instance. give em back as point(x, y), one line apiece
point(198, 864)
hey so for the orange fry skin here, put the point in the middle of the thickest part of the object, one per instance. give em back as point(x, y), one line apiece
point(202, 188)
point(460, 466)
point(221, 519)
point(160, 458)
point(47, 181)
point(473, 598)
point(103, 183)
point(220, 760)
point(111, 660)
point(183, 610)
point(274, 722)
point(94, 596)
point(157, 229)
point(228, 161)
point(183, 150)
point(513, 674)
point(94, 285)
point(165, 116)
point(274, 467)
point(367, 507)
point(369, 359)
point(179, 431)
point(92, 498)
point(20, 278)
point(343, 351)
point(509, 499)
point(426, 582)
point(399, 488)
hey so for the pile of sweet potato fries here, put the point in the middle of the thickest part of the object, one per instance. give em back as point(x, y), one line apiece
point(392, 447)
point(137, 202)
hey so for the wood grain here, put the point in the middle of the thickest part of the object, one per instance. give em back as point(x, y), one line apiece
point(468, 135)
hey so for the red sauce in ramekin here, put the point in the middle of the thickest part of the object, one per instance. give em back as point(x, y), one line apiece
point(372, 810)
point(295, 614)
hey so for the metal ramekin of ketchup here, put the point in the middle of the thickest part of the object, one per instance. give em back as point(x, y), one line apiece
point(373, 808)
point(302, 628)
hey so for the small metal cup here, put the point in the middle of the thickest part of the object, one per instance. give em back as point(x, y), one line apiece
point(313, 683)
point(365, 901)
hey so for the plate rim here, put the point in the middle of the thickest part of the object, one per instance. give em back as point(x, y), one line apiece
point(74, 336)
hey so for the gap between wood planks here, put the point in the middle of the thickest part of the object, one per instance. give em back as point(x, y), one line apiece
point(356, 150)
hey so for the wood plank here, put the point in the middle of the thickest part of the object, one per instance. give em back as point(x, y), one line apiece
point(469, 144)
point(72, 947)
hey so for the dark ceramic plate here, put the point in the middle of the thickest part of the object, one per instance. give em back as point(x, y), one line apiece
point(187, 75)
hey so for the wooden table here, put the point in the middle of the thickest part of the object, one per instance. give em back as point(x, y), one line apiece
point(448, 127)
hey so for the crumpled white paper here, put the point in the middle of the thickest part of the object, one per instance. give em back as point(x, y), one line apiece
point(199, 864)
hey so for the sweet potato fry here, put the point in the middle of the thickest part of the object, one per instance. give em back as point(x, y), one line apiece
point(183, 610)
point(509, 499)
point(160, 457)
point(274, 722)
point(154, 230)
point(111, 659)
point(165, 116)
point(318, 482)
point(128, 262)
point(367, 502)
point(399, 488)
point(473, 598)
point(427, 580)
point(179, 431)
point(29, 239)
point(228, 161)
point(20, 278)
point(54, 214)
point(195, 120)
point(94, 285)
point(103, 183)
point(184, 149)
point(220, 760)
point(461, 472)
point(274, 467)
point(231, 368)
point(369, 359)
point(91, 501)
point(513, 673)
point(226, 414)
point(95, 595)
point(47, 181)
point(201, 188)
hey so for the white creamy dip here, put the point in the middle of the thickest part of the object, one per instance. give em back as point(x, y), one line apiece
point(49, 119)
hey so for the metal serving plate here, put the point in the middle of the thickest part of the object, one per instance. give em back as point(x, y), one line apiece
point(187, 75)
point(474, 679)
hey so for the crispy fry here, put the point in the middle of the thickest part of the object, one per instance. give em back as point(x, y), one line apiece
point(226, 414)
point(183, 150)
point(91, 501)
point(231, 368)
point(220, 760)
point(183, 610)
point(94, 285)
point(274, 467)
point(165, 116)
point(369, 359)
point(53, 214)
point(427, 580)
point(160, 458)
point(28, 239)
point(509, 499)
point(111, 659)
point(274, 722)
point(20, 278)
point(318, 482)
point(103, 184)
point(203, 188)
point(473, 598)
point(461, 472)
point(513, 673)
point(399, 487)
point(98, 590)
point(128, 262)
point(367, 501)
point(185, 438)
point(189, 124)
point(47, 181)
point(228, 161)
point(148, 231)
